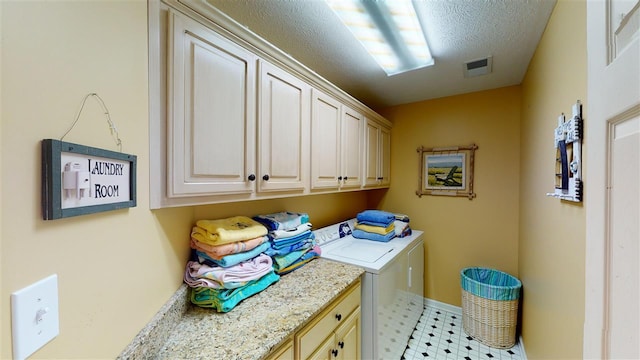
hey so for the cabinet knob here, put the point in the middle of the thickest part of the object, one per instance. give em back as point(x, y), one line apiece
point(265, 177)
point(252, 177)
point(341, 344)
point(339, 317)
point(345, 178)
point(339, 178)
point(334, 352)
point(379, 178)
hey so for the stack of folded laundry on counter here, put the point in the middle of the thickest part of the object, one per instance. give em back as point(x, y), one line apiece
point(291, 242)
point(376, 225)
point(401, 224)
point(228, 263)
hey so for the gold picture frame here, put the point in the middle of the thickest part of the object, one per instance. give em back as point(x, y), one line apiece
point(446, 171)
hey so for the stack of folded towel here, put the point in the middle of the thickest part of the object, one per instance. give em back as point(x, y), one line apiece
point(291, 242)
point(375, 225)
point(401, 224)
point(228, 263)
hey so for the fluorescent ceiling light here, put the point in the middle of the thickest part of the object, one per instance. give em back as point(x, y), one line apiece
point(389, 30)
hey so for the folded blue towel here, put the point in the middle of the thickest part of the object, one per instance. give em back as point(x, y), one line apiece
point(301, 245)
point(284, 245)
point(304, 259)
point(382, 218)
point(373, 223)
point(361, 234)
point(284, 220)
point(291, 239)
point(232, 259)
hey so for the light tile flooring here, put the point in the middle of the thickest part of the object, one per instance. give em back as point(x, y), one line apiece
point(439, 335)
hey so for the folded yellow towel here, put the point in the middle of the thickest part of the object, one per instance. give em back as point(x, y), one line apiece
point(376, 229)
point(224, 231)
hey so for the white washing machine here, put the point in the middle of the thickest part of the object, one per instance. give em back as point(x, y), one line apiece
point(392, 286)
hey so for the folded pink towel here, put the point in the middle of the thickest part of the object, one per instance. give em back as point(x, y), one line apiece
point(245, 271)
point(219, 251)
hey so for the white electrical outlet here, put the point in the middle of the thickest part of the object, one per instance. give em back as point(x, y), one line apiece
point(34, 316)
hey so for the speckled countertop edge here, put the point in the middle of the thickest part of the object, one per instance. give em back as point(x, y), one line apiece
point(259, 324)
point(153, 336)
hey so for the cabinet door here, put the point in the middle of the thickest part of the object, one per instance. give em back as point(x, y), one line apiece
point(325, 141)
point(348, 338)
point(284, 352)
point(351, 149)
point(283, 130)
point(211, 114)
point(385, 156)
point(372, 154)
point(377, 142)
point(325, 351)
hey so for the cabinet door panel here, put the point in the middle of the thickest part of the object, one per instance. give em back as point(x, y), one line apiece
point(325, 141)
point(348, 337)
point(284, 130)
point(385, 156)
point(323, 352)
point(371, 153)
point(284, 352)
point(351, 148)
point(377, 153)
point(211, 116)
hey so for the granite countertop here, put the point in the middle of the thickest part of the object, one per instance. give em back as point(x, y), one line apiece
point(259, 324)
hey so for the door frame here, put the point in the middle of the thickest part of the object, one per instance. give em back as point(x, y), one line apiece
point(598, 126)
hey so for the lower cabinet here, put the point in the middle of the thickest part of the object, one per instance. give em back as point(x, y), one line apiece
point(333, 334)
point(284, 352)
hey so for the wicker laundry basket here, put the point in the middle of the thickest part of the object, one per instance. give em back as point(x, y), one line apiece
point(490, 306)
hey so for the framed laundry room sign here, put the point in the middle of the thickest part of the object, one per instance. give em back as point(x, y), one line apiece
point(446, 171)
point(79, 180)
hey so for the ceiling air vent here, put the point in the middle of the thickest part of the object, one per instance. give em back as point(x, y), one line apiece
point(477, 67)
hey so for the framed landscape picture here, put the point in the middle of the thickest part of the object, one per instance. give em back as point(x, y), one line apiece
point(446, 171)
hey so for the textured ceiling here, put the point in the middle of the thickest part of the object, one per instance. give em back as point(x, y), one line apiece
point(458, 31)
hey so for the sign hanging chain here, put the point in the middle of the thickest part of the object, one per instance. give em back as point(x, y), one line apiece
point(112, 126)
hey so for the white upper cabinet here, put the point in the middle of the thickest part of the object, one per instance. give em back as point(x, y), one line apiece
point(283, 131)
point(232, 118)
point(211, 112)
point(336, 155)
point(377, 154)
point(351, 148)
point(325, 141)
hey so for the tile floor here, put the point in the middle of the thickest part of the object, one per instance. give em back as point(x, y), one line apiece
point(439, 335)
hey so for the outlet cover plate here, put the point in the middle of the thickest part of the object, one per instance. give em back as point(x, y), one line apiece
point(34, 316)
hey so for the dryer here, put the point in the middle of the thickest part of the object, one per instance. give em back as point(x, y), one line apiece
point(392, 285)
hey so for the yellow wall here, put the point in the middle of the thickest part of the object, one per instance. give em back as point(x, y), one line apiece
point(115, 269)
point(460, 232)
point(552, 232)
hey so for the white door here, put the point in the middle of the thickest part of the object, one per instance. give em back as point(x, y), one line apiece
point(612, 129)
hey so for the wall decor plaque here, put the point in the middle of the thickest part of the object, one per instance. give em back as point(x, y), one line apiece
point(79, 180)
